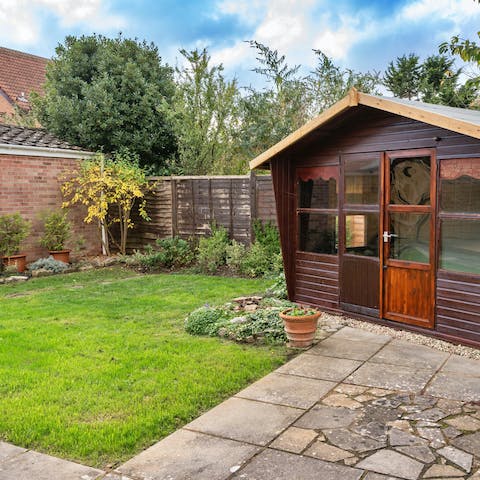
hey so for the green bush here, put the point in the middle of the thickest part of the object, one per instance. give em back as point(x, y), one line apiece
point(49, 264)
point(266, 234)
point(13, 231)
point(236, 253)
point(259, 260)
point(279, 288)
point(212, 251)
point(176, 252)
point(206, 320)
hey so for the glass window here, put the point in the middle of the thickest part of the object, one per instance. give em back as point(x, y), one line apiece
point(410, 238)
point(410, 181)
point(318, 233)
point(361, 181)
point(460, 185)
point(318, 193)
point(460, 245)
point(362, 234)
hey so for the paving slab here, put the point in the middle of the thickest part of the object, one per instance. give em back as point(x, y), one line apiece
point(343, 348)
point(392, 377)
point(400, 352)
point(246, 420)
point(462, 366)
point(37, 466)
point(348, 440)
point(320, 367)
point(442, 471)
point(327, 452)
point(273, 464)
point(289, 390)
point(186, 455)
point(8, 450)
point(359, 335)
point(458, 457)
point(419, 452)
point(294, 439)
point(455, 387)
point(378, 476)
point(389, 462)
point(469, 443)
point(322, 416)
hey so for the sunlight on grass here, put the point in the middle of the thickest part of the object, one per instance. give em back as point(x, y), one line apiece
point(96, 366)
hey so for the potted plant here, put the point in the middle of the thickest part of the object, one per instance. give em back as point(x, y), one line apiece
point(300, 325)
point(56, 232)
point(13, 230)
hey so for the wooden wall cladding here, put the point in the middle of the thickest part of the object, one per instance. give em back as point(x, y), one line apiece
point(360, 281)
point(458, 306)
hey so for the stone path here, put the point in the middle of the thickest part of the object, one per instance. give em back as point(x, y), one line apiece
point(356, 406)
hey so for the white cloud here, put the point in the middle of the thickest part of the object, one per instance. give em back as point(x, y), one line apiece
point(21, 20)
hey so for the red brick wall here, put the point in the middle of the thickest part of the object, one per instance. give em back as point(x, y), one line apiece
point(31, 185)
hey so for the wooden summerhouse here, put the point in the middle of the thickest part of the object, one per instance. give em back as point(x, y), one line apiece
point(378, 207)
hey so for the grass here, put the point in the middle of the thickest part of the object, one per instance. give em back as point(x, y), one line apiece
point(96, 366)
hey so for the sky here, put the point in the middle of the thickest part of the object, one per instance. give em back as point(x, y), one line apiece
point(358, 34)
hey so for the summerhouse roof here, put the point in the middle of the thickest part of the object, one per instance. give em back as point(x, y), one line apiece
point(460, 120)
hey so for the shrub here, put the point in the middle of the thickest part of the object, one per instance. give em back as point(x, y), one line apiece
point(56, 231)
point(279, 288)
point(212, 251)
point(266, 234)
point(260, 261)
point(236, 253)
point(49, 264)
point(13, 230)
point(176, 252)
point(206, 320)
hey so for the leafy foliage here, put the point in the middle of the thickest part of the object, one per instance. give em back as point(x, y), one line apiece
point(235, 253)
point(14, 229)
point(107, 94)
point(49, 264)
point(57, 230)
point(402, 78)
point(279, 288)
point(205, 320)
point(109, 187)
point(212, 251)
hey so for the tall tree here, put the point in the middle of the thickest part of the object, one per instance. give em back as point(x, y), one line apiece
point(106, 94)
point(402, 78)
point(206, 117)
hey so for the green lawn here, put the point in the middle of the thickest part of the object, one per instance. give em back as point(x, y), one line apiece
point(95, 366)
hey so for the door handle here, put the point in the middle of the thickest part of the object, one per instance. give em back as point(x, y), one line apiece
point(387, 236)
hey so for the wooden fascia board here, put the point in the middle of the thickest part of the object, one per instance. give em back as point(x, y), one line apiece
point(414, 113)
point(351, 100)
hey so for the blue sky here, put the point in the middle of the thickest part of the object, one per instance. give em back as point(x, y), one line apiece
point(359, 34)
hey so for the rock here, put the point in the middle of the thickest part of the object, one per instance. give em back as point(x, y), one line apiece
point(419, 452)
point(450, 407)
point(350, 461)
point(441, 471)
point(341, 400)
point(465, 423)
point(239, 320)
point(430, 415)
point(16, 278)
point(250, 307)
point(347, 440)
point(379, 392)
point(451, 432)
point(469, 443)
point(433, 435)
point(392, 463)
point(364, 397)
point(350, 389)
point(326, 452)
point(400, 425)
point(400, 438)
point(458, 457)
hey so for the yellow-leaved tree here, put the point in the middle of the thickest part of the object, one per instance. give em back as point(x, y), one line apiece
point(109, 186)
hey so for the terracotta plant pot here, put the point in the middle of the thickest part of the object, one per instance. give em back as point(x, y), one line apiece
point(60, 255)
point(300, 329)
point(20, 261)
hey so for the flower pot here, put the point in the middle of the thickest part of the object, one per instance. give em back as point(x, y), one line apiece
point(300, 329)
point(60, 255)
point(19, 261)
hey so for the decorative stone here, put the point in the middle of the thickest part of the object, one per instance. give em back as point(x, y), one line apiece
point(400, 425)
point(450, 407)
point(430, 415)
point(465, 423)
point(451, 432)
point(442, 471)
point(387, 402)
point(469, 443)
point(341, 400)
point(375, 430)
point(399, 438)
point(462, 459)
point(16, 278)
point(294, 439)
point(350, 461)
point(250, 308)
point(348, 440)
point(419, 452)
point(393, 463)
point(326, 452)
point(433, 435)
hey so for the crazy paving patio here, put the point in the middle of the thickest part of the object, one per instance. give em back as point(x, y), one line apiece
point(358, 405)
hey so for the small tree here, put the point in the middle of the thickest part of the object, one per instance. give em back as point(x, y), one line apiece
point(14, 229)
point(403, 77)
point(109, 187)
point(57, 231)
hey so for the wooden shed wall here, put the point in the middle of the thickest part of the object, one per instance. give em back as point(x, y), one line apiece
point(365, 130)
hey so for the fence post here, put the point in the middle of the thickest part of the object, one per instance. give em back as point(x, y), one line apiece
point(253, 202)
point(173, 189)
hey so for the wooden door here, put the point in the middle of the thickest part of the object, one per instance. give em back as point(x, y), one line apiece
point(408, 237)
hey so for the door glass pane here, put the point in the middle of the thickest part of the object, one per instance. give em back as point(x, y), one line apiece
point(361, 181)
point(460, 245)
point(410, 181)
point(318, 193)
point(318, 233)
point(410, 238)
point(362, 234)
point(460, 185)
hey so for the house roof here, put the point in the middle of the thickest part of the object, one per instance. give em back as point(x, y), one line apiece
point(20, 74)
point(36, 141)
point(460, 120)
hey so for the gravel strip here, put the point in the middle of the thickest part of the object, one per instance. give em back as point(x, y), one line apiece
point(332, 323)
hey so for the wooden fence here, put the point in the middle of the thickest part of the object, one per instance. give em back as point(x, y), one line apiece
point(187, 206)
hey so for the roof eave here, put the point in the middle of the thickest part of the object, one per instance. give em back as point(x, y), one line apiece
point(51, 152)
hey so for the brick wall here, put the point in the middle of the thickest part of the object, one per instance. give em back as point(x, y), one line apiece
point(30, 185)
